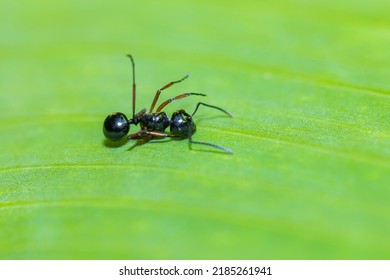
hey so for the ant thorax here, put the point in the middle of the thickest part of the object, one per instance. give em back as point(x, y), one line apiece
point(154, 121)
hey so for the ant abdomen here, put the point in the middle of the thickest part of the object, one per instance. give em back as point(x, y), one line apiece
point(116, 126)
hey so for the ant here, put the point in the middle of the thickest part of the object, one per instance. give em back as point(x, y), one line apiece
point(153, 124)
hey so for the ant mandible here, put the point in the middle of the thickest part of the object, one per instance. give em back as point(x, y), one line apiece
point(153, 124)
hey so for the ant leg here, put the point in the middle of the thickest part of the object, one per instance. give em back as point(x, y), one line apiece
point(190, 141)
point(165, 87)
point(175, 98)
point(134, 87)
point(211, 106)
point(144, 134)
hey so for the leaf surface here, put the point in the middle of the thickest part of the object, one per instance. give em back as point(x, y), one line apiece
point(307, 83)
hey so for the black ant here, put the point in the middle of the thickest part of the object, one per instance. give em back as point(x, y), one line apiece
point(116, 125)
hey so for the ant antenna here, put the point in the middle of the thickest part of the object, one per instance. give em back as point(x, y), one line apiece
point(133, 67)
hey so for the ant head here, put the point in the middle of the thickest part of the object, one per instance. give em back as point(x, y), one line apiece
point(116, 126)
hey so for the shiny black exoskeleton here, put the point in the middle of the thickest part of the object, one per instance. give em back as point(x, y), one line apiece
point(153, 124)
point(181, 124)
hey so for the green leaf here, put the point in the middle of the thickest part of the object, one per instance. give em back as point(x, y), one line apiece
point(307, 83)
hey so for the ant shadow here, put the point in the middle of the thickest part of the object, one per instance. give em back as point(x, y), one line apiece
point(140, 142)
point(213, 151)
point(115, 144)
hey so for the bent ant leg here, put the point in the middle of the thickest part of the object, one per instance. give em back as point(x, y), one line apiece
point(211, 106)
point(146, 134)
point(206, 143)
point(190, 141)
point(165, 87)
point(175, 98)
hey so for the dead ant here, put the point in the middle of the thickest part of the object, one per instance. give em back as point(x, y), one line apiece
point(181, 125)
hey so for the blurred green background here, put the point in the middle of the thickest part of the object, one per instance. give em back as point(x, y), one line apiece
point(306, 81)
